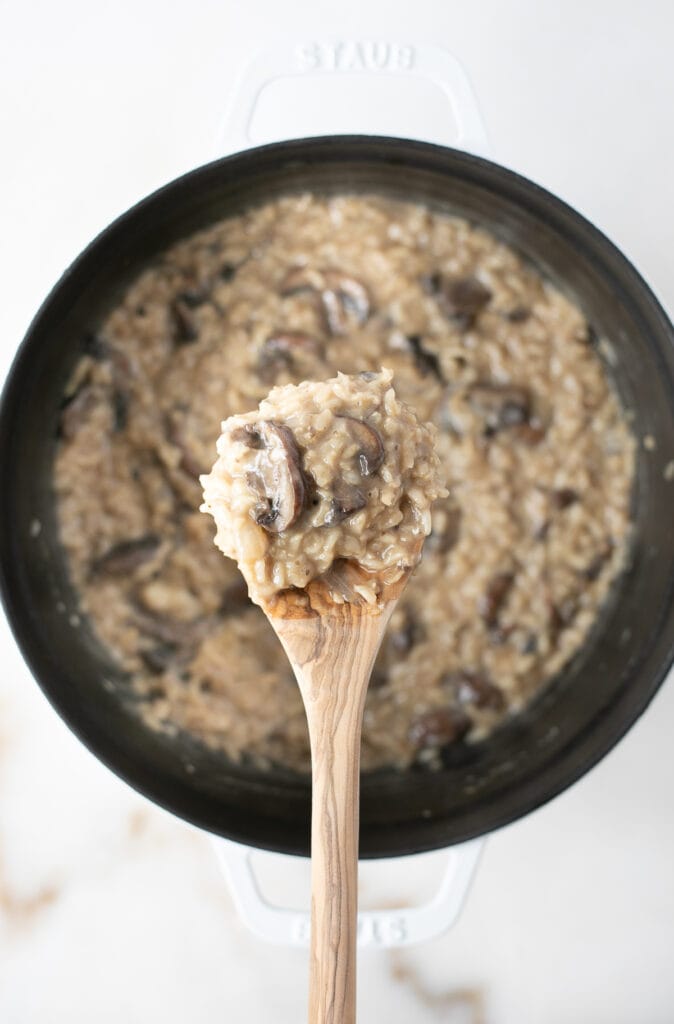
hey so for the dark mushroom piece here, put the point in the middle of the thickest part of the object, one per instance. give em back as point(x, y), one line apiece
point(518, 314)
point(283, 349)
point(438, 728)
point(95, 346)
point(564, 497)
point(192, 297)
point(76, 410)
point(159, 658)
point(127, 556)
point(165, 630)
point(493, 599)
point(370, 454)
point(345, 301)
point(277, 478)
point(248, 435)
point(184, 325)
point(346, 501)
point(594, 569)
point(427, 363)
point(561, 614)
point(120, 409)
point(474, 689)
point(227, 272)
point(291, 343)
point(500, 406)
point(461, 299)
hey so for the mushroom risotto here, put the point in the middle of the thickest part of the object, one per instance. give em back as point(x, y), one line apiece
point(323, 472)
point(534, 448)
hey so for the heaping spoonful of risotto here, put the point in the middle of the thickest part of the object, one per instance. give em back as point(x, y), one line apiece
point(323, 498)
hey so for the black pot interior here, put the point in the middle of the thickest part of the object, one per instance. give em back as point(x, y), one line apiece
point(576, 720)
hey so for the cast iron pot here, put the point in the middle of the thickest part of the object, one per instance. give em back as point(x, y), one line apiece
point(577, 719)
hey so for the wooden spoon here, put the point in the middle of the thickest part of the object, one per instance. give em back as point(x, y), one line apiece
point(332, 647)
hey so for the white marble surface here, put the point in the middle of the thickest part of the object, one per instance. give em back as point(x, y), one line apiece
point(109, 909)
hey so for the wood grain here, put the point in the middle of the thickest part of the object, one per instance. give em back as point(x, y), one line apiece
point(332, 648)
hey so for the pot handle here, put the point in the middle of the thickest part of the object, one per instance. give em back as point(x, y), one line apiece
point(383, 929)
point(361, 64)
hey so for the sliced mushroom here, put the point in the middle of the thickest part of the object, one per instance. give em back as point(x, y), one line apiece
point(474, 689)
point(561, 614)
point(500, 406)
point(518, 314)
point(77, 409)
point(591, 336)
point(127, 556)
point(158, 658)
point(438, 728)
point(593, 570)
point(370, 454)
point(120, 409)
point(346, 501)
point(564, 497)
point(283, 349)
point(193, 297)
point(345, 300)
point(165, 630)
point(427, 363)
point(184, 325)
point(492, 600)
point(227, 272)
point(462, 299)
point(277, 477)
point(95, 346)
point(248, 435)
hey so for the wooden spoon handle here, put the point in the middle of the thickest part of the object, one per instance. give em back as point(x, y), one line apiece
point(332, 658)
point(335, 730)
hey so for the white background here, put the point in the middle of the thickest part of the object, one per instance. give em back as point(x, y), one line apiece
point(110, 910)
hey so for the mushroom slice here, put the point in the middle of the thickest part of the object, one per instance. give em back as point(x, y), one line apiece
point(290, 343)
point(345, 300)
point(77, 410)
point(276, 478)
point(500, 406)
point(494, 597)
point(184, 326)
point(124, 558)
point(462, 299)
point(284, 349)
point(346, 501)
point(370, 454)
point(248, 435)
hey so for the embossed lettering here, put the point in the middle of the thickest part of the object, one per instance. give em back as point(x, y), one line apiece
point(352, 55)
point(308, 56)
